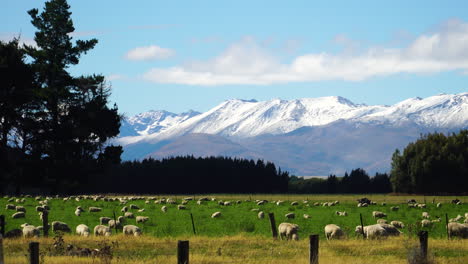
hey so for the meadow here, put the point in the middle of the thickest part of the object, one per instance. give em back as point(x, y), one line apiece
point(238, 236)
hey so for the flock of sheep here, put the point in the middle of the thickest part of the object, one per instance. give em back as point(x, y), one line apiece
point(286, 230)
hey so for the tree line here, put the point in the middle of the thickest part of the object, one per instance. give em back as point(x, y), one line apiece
point(357, 181)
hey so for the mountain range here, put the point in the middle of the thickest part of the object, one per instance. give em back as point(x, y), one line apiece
point(307, 137)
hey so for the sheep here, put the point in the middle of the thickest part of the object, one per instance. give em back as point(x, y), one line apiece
point(456, 219)
point(115, 224)
point(306, 216)
point(129, 215)
point(104, 220)
point(164, 209)
point(341, 213)
point(142, 219)
point(290, 215)
point(260, 202)
point(425, 215)
point(466, 215)
point(421, 205)
point(279, 202)
point(255, 210)
point(294, 203)
point(384, 203)
point(82, 230)
point(134, 206)
point(60, 226)
point(216, 215)
point(381, 221)
point(181, 207)
point(10, 207)
point(77, 212)
point(20, 208)
point(362, 205)
point(261, 215)
point(391, 230)
point(316, 204)
point(39, 209)
point(93, 209)
point(30, 231)
point(102, 230)
point(333, 232)
point(372, 231)
point(426, 223)
point(458, 230)
point(227, 203)
point(377, 214)
point(397, 224)
point(131, 230)
point(439, 205)
point(18, 215)
point(288, 231)
point(124, 209)
point(395, 208)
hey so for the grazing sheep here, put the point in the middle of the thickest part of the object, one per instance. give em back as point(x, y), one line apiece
point(82, 230)
point(391, 230)
point(164, 209)
point(381, 221)
point(60, 226)
point(466, 215)
point(362, 205)
point(142, 219)
point(30, 231)
point(458, 230)
point(131, 230)
point(216, 215)
point(18, 215)
point(279, 203)
point(426, 223)
point(316, 204)
point(20, 208)
point(10, 207)
point(255, 210)
point(124, 209)
point(227, 203)
point(39, 209)
point(104, 220)
point(384, 203)
point(377, 214)
point(333, 232)
point(341, 213)
point(102, 230)
point(129, 215)
point(372, 231)
point(456, 219)
point(93, 209)
point(181, 207)
point(115, 224)
point(288, 231)
point(397, 224)
point(439, 205)
point(141, 210)
point(14, 233)
point(134, 206)
point(260, 202)
point(425, 215)
point(290, 215)
point(395, 208)
point(261, 215)
point(77, 212)
point(294, 203)
point(421, 205)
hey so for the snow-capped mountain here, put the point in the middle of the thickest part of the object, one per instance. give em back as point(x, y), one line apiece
point(253, 128)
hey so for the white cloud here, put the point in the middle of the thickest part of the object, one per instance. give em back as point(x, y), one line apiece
point(152, 52)
point(247, 62)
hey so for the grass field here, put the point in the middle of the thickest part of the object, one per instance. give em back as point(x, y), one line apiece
point(238, 236)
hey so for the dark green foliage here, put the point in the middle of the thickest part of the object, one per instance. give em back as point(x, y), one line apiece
point(435, 163)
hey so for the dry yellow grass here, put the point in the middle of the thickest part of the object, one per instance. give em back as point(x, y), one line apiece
point(242, 249)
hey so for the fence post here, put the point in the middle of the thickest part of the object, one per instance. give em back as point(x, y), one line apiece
point(362, 227)
point(2, 225)
point(34, 253)
point(274, 231)
point(313, 249)
point(183, 252)
point(193, 224)
point(423, 243)
point(45, 222)
point(446, 226)
point(1, 250)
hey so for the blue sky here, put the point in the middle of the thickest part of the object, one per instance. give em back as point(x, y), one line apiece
point(181, 55)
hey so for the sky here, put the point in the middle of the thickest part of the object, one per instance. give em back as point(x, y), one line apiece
point(192, 55)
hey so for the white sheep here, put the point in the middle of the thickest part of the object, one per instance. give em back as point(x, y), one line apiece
point(93, 209)
point(216, 215)
point(290, 215)
point(439, 205)
point(60, 226)
point(129, 215)
point(142, 219)
point(458, 230)
point(288, 231)
point(164, 209)
point(372, 231)
point(397, 224)
point(30, 231)
point(294, 203)
point(102, 230)
point(227, 203)
point(261, 215)
point(426, 223)
point(104, 220)
point(181, 207)
point(333, 232)
point(10, 207)
point(39, 209)
point(377, 214)
point(131, 230)
point(18, 215)
point(82, 230)
point(134, 206)
point(20, 208)
point(395, 208)
point(425, 215)
point(77, 212)
point(124, 209)
point(306, 216)
point(115, 224)
point(381, 221)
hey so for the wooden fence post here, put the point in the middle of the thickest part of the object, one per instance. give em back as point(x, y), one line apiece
point(446, 226)
point(313, 249)
point(45, 222)
point(2, 225)
point(362, 227)
point(1, 250)
point(193, 224)
point(423, 243)
point(274, 231)
point(183, 252)
point(34, 253)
